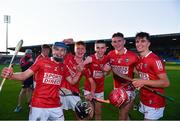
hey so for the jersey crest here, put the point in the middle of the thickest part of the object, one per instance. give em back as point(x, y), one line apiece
point(127, 60)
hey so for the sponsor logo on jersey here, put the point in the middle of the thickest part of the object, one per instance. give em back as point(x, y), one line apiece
point(120, 69)
point(97, 74)
point(144, 76)
point(50, 78)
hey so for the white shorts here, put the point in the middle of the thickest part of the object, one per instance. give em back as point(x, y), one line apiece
point(97, 95)
point(44, 114)
point(151, 113)
point(69, 102)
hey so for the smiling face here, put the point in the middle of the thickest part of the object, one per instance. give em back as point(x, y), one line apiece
point(118, 43)
point(142, 44)
point(100, 49)
point(45, 51)
point(58, 52)
point(80, 50)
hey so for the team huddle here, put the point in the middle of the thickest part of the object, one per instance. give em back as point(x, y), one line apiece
point(57, 80)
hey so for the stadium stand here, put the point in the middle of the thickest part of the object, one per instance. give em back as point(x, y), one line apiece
point(167, 46)
point(5, 59)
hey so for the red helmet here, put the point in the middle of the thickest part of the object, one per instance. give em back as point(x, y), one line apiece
point(118, 96)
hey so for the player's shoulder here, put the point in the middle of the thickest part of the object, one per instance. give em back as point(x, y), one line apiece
point(43, 60)
point(112, 52)
point(39, 56)
point(153, 56)
point(105, 58)
point(69, 56)
point(131, 53)
point(93, 57)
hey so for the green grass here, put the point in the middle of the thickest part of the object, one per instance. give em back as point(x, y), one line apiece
point(8, 100)
point(11, 89)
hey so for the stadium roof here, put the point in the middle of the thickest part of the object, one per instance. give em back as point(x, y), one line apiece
point(158, 41)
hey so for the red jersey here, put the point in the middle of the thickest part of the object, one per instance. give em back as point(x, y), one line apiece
point(40, 57)
point(49, 75)
point(149, 67)
point(71, 64)
point(96, 73)
point(124, 64)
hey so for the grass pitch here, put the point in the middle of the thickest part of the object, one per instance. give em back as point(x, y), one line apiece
point(11, 89)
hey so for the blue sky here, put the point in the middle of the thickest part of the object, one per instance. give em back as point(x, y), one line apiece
point(47, 21)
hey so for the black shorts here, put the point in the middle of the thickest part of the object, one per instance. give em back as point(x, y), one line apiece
point(28, 83)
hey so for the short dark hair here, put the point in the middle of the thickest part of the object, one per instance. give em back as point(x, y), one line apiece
point(118, 34)
point(142, 35)
point(80, 43)
point(100, 41)
point(45, 46)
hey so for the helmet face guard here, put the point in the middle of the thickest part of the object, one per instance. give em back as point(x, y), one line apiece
point(118, 97)
point(84, 109)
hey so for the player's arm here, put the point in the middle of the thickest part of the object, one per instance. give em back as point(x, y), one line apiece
point(88, 74)
point(8, 73)
point(74, 80)
point(91, 95)
point(162, 82)
point(93, 85)
point(88, 60)
point(158, 68)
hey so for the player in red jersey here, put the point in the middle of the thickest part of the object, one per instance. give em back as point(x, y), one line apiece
point(50, 74)
point(95, 63)
point(152, 74)
point(72, 62)
point(122, 61)
point(45, 52)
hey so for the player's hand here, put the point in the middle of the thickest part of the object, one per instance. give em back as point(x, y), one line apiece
point(68, 41)
point(89, 96)
point(80, 67)
point(138, 83)
point(7, 72)
point(88, 60)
